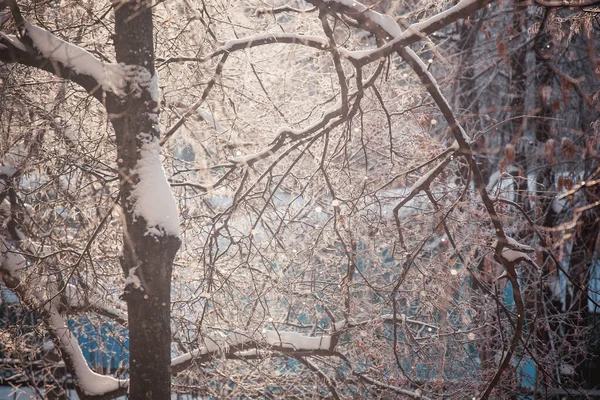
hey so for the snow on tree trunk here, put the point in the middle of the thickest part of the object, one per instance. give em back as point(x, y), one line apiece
point(151, 235)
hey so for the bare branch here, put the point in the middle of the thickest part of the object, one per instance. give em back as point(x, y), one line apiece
point(281, 9)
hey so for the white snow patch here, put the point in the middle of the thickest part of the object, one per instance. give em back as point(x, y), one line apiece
point(554, 287)
point(140, 80)
point(48, 345)
point(386, 22)
point(338, 326)
point(567, 369)
point(297, 341)
point(133, 279)
point(418, 185)
point(515, 251)
point(112, 77)
point(519, 246)
point(154, 89)
point(288, 340)
point(74, 297)
point(558, 205)
point(212, 346)
point(152, 198)
point(503, 184)
point(513, 255)
point(253, 157)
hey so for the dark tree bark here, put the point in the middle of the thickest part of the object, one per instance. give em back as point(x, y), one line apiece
point(134, 117)
point(149, 305)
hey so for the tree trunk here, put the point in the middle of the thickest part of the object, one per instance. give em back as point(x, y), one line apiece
point(133, 117)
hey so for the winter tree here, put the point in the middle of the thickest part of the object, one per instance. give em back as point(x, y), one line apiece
point(284, 200)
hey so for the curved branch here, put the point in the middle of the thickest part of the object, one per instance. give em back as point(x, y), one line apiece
point(384, 27)
point(34, 294)
point(292, 343)
point(250, 42)
point(37, 47)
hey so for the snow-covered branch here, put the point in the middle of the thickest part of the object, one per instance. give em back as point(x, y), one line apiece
point(282, 9)
point(514, 251)
point(37, 47)
point(371, 21)
point(238, 344)
point(110, 77)
point(387, 29)
point(40, 293)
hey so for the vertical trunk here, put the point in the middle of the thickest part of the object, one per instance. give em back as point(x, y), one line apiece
point(147, 256)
